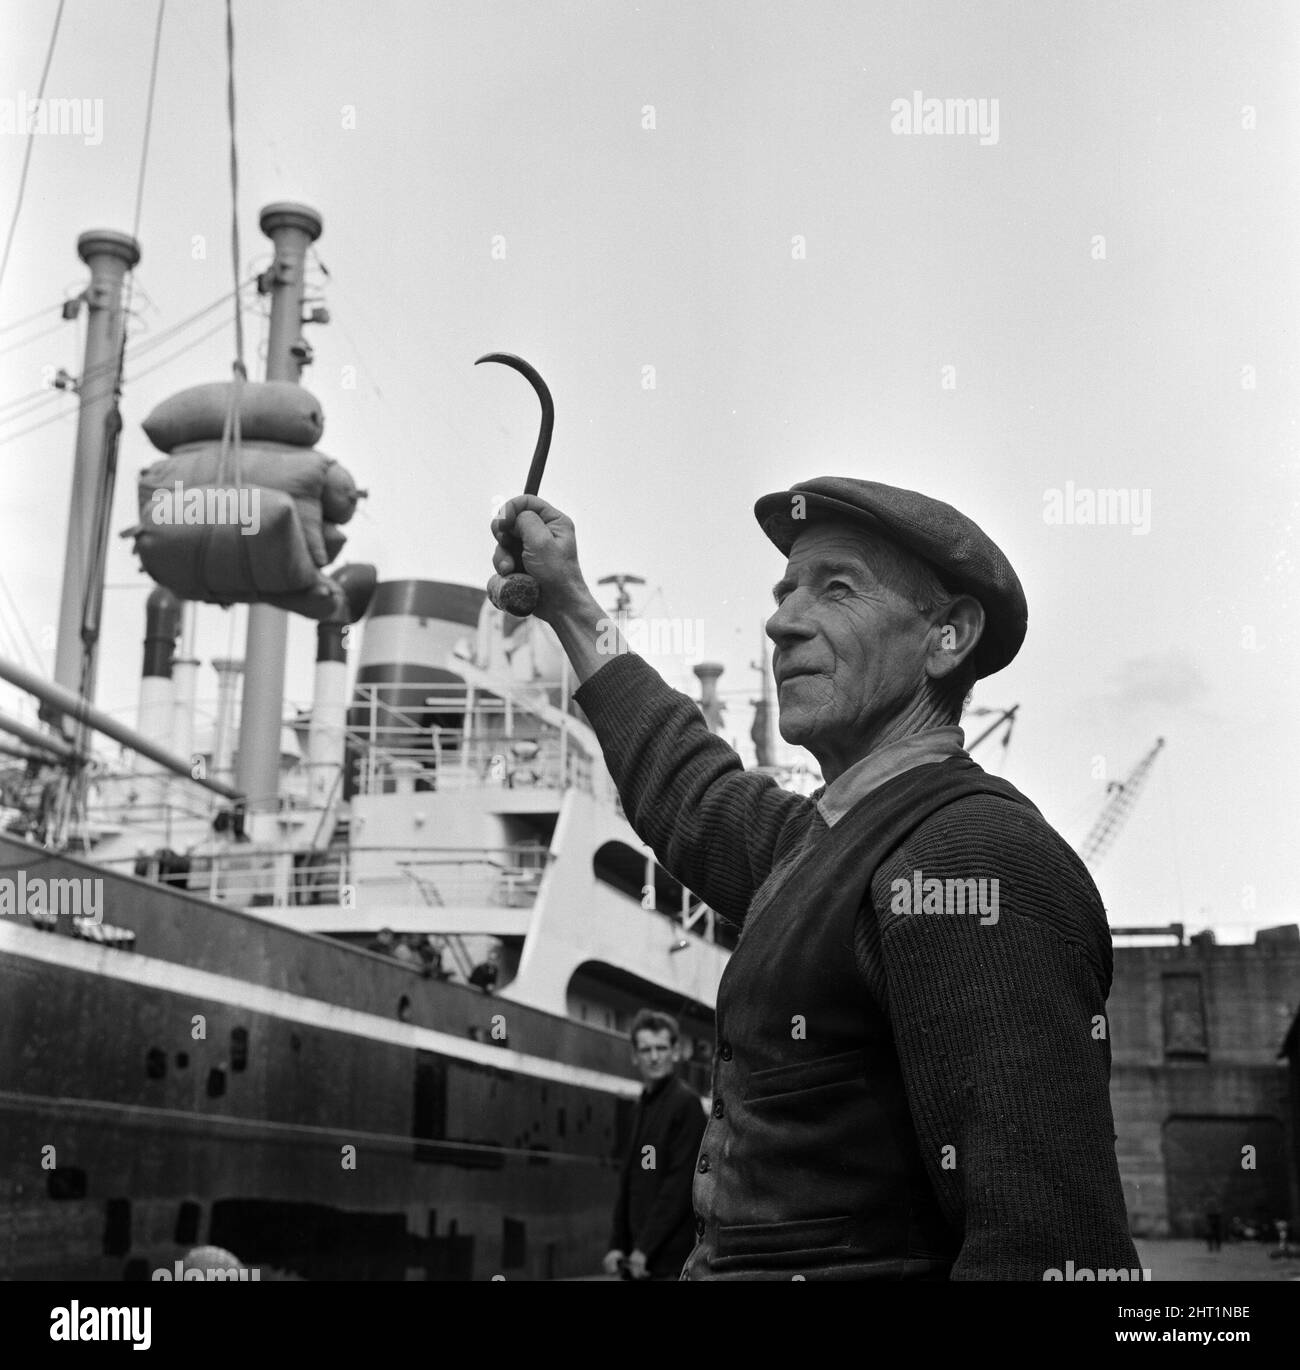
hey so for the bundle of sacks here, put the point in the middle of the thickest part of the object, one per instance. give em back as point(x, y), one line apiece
point(255, 524)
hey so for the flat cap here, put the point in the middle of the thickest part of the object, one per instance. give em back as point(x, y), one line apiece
point(965, 557)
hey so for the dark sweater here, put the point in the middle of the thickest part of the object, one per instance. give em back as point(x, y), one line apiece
point(652, 1213)
point(999, 1031)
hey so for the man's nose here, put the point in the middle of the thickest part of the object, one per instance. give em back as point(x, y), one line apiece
point(788, 624)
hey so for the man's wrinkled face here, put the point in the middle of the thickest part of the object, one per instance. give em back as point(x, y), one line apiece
point(849, 653)
point(655, 1054)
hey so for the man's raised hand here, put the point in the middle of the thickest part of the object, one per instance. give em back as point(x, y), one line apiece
point(549, 548)
point(528, 529)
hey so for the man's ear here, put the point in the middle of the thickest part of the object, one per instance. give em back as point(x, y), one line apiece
point(956, 635)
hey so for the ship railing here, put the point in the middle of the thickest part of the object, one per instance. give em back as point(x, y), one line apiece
point(458, 737)
point(252, 875)
point(485, 879)
point(446, 763)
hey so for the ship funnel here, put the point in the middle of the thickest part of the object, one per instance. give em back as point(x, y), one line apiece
point(223, 743)
point(358, 586)
point(408, 692)
point(162, 626)
point(327, 735)
point(154, 717)
point(185, 679)
point(711, 706)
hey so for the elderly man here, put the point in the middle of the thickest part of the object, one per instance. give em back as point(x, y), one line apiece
point(911, 1079)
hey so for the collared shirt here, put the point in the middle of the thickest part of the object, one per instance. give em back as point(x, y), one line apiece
point(921, 749)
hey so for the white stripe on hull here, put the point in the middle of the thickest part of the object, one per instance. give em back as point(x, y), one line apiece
point(261, 1130)
point(129, 967)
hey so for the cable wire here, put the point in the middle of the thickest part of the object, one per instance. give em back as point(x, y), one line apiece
point(35, 337)
point(44, 423)
point(135, 376)
point(47, 393)
point(235, 253)
point(22, 624)
point(36, 401)
point(180, 352)
point(148, 118)
point(27, 151)
point(31, 318)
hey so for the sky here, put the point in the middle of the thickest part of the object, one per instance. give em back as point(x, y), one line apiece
point(711, 228)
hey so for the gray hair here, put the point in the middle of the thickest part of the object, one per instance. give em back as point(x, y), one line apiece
point(918, 582)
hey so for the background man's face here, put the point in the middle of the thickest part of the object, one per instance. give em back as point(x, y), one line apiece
point(655, 1054)
point(849, 652)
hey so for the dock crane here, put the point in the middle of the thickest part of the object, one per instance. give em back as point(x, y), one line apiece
point(1122, 795)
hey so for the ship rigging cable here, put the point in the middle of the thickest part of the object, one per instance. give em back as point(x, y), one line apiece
point(135, 375)
point(135, 235)
point(30, 318)
point(34, 399)
point(22, 624)
point(228, 460)
point(34, 337)
point(27, 151)
point(148, 127)
point(234, 187)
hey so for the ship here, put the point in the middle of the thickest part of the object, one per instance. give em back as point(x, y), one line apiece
point(340, 995)
point(333, 994)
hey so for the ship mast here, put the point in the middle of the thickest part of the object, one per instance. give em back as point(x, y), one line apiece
point(292, 228)
point(761, 729)
point(109, 255)
point(621, 581)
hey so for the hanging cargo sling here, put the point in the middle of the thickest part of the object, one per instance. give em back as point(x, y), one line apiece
point(243, 509)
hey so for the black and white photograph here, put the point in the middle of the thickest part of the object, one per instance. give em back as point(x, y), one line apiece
point(650, 642)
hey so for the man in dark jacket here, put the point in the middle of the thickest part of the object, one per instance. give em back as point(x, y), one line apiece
point(913, 1062)
point(654, 1229)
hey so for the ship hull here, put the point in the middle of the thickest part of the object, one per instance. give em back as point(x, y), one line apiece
point(319, 1111)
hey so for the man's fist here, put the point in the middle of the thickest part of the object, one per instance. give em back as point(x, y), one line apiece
point(636, 1266)
point(549, 548)
point(610, 1263)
